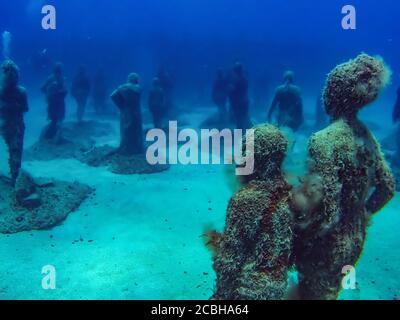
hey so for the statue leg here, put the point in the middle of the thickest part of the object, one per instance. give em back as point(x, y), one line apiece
point(321, 262)
point(15, 144)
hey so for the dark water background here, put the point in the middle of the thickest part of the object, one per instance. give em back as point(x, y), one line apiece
point(192, 38)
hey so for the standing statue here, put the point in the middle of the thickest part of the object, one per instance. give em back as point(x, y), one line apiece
point(55, 92)
point(238, 97)
point(80, 91)
point(127, 99)
point(13, 105)
point(287, 103)
point(252, 256)
point(167, 85)
point(157, 103)
point(220, 95)
point(355, 178)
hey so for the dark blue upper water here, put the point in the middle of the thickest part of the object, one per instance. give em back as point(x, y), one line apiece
point(193, 38)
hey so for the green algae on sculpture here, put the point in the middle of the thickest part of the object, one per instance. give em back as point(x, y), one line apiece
point(354, 84)
point(252, 256)
point(13, 105)
point(356, 180)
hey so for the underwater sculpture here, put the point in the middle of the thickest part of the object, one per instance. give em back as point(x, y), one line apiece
point(220, 92)
point(252, 256)
point(129, 157)
point(127, 99)
point(157, 103)
point(167, 85)
point(287, 103)
point(61, 140)
point(353, 178)
point(26, 204)
point(55, 92)
point(220, 95)
point(238, 97)
point(13, 105)
point(80, 91)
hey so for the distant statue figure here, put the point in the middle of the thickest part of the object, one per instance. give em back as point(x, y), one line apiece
point(321, 117)
point(99, 93)
point(55, 92)
point(127, 99)
point(355, 178)
point(287, 103)
point(238, 97)
point(167, 85)
point(220, 94)
point(80, 91)
point(157, 103)
point(396, 109)
point(13, 104)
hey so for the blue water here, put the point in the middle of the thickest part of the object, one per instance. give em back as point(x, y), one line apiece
point(147, 228)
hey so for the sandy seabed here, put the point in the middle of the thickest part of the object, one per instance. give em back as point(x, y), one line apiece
point(140, 237)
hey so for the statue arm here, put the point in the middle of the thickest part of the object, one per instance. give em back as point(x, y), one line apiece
point(385, 185)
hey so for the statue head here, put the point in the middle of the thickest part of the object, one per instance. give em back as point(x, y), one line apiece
point(270, 148)
point(354, 84)
point(133, 78)
point(10, 73)
point(288, 77)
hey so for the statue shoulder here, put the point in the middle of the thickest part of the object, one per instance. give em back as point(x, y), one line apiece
point(336, 139)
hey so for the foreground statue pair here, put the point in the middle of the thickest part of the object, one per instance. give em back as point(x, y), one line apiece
point(13, 105)
point(319, 227)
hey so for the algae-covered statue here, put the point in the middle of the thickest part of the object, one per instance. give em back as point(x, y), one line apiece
point(253, 254)
point(130, 156)
point(157, 103)
point(220, 95)
point(13, 105)
point(80, 91)
point(127, 99)
point(55, 92)
point(27, 203)
point(238, 97)
point(356, 182)
point(288, 104)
